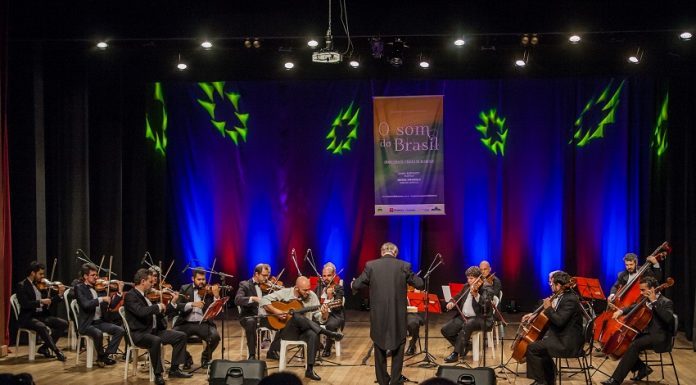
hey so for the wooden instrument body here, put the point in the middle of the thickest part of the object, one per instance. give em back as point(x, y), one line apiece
point(293, 308)
point(529, 332)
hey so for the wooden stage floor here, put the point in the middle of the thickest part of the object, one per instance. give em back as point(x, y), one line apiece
point(350, 371)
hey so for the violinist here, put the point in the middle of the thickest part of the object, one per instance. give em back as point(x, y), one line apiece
point(148, 327)
point(565, 333)
point(472, 310)
point(248, 296)
point(90, 319)
point(657, 336)
point(34, 302)
point(631, 265)
point(490, 280)
point(329, 290)
point(191, 306)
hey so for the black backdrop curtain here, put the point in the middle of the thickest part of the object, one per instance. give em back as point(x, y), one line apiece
point(106, 193)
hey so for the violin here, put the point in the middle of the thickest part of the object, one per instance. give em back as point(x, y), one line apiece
point(45, 284)
point(166, 295)
point(102, 284)
point(208, 289)
point(271, 285)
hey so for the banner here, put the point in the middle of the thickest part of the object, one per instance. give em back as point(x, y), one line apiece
point(409, 167)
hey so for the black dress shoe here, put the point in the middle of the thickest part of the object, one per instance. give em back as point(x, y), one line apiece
point(252, 357)
point(45, 351)
point(60, 356)
point(272, 355)
point(326, 353)
point(108, 361)
point(309, 373)
point(453, 357)
point(336, 336)
point(177, 373)
point(642, 373)
point(159, 380)
point(610, 381)
point(205, 364)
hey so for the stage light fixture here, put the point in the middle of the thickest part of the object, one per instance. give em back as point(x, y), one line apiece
point(313, 43)
point(289, 65)
point(522, 60)
point(574, 39)
point(354, 63)
point(102, 45)
point(685, 36)
point(637, 57)
point(424, 63)
point(396, 58)
point(247, 43)
point(459, 42)
point(181, 65)
point(524, 40)
point(257, 43)
point(206, 44)
point(377, 47)
point(535, 39)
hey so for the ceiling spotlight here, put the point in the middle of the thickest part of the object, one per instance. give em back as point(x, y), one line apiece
point(313, 43)
point(574, 39)
point(247, 43)
point(289, 65)
point(459, 42)
point(396, 58)
point(180, 65)
point(686, 35)
point(424, 62)
point(377, 47)
point(257, 43)
point(523, 60)
point(535, 39)
point(525, 39)
point(207, 44)
point(102, 45)
point(354, 63)
point(637, 57)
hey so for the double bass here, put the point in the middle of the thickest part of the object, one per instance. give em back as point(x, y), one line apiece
point(628, 294)
point(632, 324)
point(535, 327)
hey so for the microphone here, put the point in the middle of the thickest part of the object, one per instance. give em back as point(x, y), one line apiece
point(293, 252)
point(185, 268)
point(142, 262)
point(306, 254)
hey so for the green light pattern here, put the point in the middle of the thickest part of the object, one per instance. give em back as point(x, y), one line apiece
point(156, 120)
point(659, 140)
point(493, 131)
point(345, 121)
point(216, 97)
point(605, 106)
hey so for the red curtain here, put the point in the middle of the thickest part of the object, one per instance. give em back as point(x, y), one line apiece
point(5, 233)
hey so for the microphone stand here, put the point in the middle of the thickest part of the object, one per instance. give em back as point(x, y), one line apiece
point(428, 360)
point(504, 369)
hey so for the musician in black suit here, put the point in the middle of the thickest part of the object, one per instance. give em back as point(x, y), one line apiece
point(564, 337)
point(413, 323)
point(657, 336)
point(495, 286)
point(34, 311)
point(328, 290)
point(388, 278)
point(149, 328)
point(90, 319)
point(475, 311)
point(248, 296)
point(190, 309)
point(631, 264)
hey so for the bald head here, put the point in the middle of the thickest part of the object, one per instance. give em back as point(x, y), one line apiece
point(302, 282)
point(485, 268)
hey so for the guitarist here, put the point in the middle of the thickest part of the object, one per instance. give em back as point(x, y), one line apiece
point(303, 327)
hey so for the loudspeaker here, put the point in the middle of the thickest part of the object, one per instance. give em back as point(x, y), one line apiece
point(248, 372)
point(464, 376)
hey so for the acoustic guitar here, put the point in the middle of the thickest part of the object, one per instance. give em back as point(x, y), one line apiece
point(294, 308)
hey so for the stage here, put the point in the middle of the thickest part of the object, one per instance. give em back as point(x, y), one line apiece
point(350, 371)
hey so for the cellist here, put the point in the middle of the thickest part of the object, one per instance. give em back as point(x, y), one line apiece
point(631, 264)
point(564, 335)
point(656, 336)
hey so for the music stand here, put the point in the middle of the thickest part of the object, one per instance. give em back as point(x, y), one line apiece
point(213, 310)
point(590, 289)
point(432, 305)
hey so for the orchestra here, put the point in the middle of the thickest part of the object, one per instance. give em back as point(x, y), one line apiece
point(638, 315)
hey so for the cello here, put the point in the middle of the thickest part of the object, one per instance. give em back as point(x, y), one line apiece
point(605, 325)
point(632, 324)
point(535, 327)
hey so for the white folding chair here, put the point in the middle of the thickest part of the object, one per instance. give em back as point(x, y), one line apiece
point(89, 341)
point(243, 350)
point(477, 344)
point(284, 345)
point(72, 322)
point(134, 351)
point(31, 335)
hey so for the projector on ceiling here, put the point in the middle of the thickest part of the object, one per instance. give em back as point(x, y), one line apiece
point(326, 57)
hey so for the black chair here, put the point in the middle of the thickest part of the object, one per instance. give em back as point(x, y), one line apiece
point(659, 361)
point(581, 355)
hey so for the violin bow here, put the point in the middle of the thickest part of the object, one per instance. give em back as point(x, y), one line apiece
point(53, 270)
point(108, 278)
